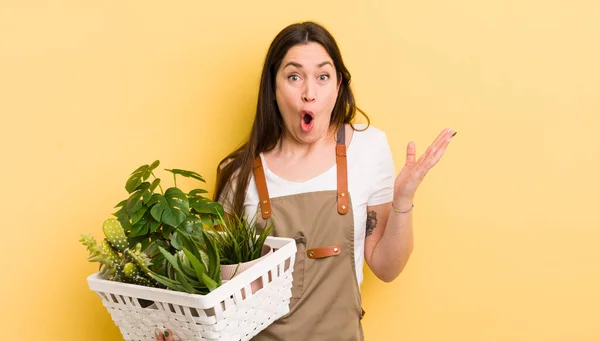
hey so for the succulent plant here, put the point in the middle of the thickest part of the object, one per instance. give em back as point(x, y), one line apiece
point(190, 270)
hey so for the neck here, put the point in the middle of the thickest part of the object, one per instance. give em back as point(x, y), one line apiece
point(289, 146)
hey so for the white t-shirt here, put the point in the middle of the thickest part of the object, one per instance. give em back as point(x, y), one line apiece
point(371, 177)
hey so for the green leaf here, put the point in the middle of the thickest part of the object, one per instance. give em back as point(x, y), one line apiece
point(191, 225)
point(206, 206)
point(214, 264)
point(138, 230)
point(154, 199)
point(139, 175)
point(141, 194)
point(169, 283)
point(136, 178)
point(167, 231)
point(187, 269)
point(152, 188)
point(181, 277)
point(172, 208)
point(209, 282)
point(154, 165)
point(137, 215)
point(121, 203)
point(123, 218)
point(176, 241)
point(143, 239)
point(186, 173)
point(208, 220)
point(154, 225)
point(197, 192)
point(196, 264)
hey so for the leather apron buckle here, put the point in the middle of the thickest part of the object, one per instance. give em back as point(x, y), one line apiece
point(323, 252)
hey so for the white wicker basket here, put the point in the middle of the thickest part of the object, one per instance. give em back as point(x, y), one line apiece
point(230, 312)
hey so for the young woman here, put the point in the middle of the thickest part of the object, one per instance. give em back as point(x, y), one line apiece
point(327, 183)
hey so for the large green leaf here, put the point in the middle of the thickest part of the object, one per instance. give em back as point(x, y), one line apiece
point(172, 208)
point(139, 175)
point(186, 173)
point(141, 195)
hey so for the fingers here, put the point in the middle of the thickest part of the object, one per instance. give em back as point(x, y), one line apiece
point(442, 138)
point(159, 335)
point(166, 336)
point(439, 149)
point(443, 134)
point(434, 152)
point(169, 335)
point(411, 153)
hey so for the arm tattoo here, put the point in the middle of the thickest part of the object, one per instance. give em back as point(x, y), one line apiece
point(371, 222)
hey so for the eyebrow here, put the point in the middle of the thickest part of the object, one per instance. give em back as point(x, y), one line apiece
point(299, 66)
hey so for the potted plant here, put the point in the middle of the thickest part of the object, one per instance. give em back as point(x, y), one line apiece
point(240, 243)
point(163, 242)
point(158, 237)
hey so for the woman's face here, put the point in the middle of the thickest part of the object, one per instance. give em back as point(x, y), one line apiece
point(306, 89)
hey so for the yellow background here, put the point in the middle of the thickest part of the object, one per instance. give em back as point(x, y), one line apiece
point(505, 226)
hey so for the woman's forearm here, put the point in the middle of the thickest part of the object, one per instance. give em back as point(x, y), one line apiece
point(393, 250)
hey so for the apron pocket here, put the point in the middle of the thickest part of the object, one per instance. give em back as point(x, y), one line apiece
point(298, 274)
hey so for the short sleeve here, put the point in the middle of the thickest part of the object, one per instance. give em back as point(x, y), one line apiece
point(383, 172)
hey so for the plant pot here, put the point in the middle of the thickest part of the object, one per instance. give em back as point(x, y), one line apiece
point(228, 271)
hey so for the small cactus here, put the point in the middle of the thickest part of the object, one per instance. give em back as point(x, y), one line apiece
point(117, 261)
point(110, 252)
point(114, 233)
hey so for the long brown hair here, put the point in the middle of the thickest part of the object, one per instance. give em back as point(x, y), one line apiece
point(268, 125)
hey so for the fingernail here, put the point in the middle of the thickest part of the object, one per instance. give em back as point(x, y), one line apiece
point(167, 333)
point(176, 338)
point(157, 332)
point(454, 133)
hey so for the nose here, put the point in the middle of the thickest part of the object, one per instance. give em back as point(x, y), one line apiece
point(308, 93)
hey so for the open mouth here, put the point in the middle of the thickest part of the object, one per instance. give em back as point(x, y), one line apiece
point(307, 120)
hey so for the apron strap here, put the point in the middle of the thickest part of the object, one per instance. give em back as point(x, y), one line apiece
point(261, 186)
point(342, 178)
point(342, 171)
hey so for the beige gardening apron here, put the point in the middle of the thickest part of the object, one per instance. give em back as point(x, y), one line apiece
point(326, 302)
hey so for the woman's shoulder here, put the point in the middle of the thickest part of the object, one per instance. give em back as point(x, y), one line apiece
point(368, 135)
